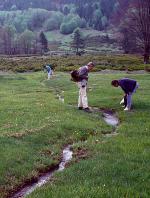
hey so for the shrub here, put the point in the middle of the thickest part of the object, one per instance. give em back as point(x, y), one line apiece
point(66, 10)
point(37, 18)
point(54, 22)
point(147, 68)
point(83, 23)
point(51, 24)
point(104, 21)
point(68, 28)
point(71, 22)
point(58, 16)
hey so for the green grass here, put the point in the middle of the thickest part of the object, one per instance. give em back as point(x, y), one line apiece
point(35, 126)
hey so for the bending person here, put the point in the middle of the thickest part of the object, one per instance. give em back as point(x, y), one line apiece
point(129, 87)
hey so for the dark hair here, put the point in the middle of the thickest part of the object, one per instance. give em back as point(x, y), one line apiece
point(115, 83)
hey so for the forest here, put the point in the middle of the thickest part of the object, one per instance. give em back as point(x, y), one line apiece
point(24, 24)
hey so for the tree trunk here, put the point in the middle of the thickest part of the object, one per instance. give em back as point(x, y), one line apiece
point(146, 55)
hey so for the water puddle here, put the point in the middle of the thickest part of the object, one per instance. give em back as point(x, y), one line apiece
point(108, 115)
point(111, 119)
point(60, 97)
point(66, 157)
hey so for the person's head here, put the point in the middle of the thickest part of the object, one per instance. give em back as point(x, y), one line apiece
point(90, 66)
point(115, 83)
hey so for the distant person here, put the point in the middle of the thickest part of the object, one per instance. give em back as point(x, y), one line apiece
point(81, 77)
point(129, 87)
point(49, 70)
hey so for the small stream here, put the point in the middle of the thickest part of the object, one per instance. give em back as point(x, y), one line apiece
point(109, 117)
point(66, 157)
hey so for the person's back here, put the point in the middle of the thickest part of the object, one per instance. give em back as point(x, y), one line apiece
point(83, 73)
point(48, 68)
point(128, 85)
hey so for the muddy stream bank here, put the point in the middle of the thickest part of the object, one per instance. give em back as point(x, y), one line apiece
point(43, 179)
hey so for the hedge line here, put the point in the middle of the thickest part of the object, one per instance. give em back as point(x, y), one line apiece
point(68, 63)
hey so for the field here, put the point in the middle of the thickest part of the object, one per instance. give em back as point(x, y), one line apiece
point(35, 126)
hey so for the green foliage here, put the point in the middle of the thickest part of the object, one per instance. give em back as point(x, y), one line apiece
point(68, 28)
point(78, 41)
point(31, 18)
point(71, 22)
point(82, 23)
point(44, 42)
point(37, 18)
point(69, 63)
point(27, 35)
point(84, 9)
point(26, 40)
point(73, 9)
point(54, 21)
point(66, 10)
point(104, 21)
point(57, 15)
point(51, 24)
point(97, 20)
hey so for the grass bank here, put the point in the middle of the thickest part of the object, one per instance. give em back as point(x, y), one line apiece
point(35, 126)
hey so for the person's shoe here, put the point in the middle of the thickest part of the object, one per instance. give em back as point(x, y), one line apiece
point(88, 110)
point(122, 101)
point(126, 109)
point(80, 108)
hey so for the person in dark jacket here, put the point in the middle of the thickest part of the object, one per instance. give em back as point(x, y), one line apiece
point(82, 84)
point(129, 86)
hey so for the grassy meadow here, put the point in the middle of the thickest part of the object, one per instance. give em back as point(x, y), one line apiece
point(35, 126)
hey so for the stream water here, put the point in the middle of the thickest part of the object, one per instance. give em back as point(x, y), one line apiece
point(109, 117)
point(67, 156)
